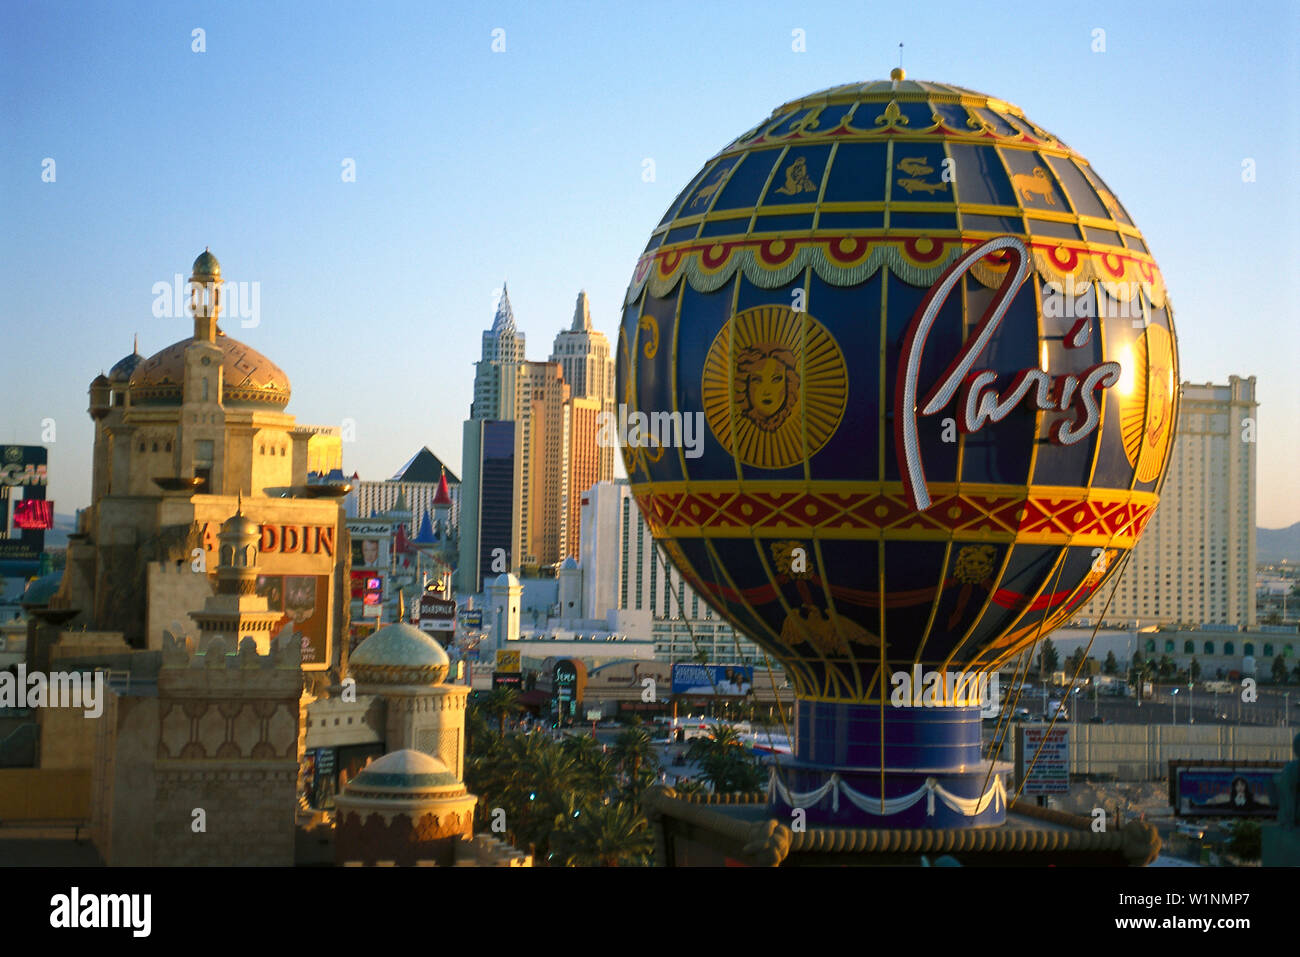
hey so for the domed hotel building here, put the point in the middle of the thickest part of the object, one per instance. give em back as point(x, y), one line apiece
point(182, 438)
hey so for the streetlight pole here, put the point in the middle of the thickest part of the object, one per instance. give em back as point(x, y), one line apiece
point(1191, 701)
point(1174, 696)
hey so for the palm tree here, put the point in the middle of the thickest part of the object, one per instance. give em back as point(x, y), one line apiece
point(608, 835)
point(727, 764)
point(597, 772)
point(500, 703)
point(633, 749)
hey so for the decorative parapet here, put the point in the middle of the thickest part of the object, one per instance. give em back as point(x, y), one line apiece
point(768, 843)
point(219, 670)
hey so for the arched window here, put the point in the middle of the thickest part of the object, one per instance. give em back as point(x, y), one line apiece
point(141, 446)
point(205, 389)
point(1189, 647)
point(1249, 648)
point(1268, 651)
point(169, 446)
point(155, 446)
point(1209, 647)
point(1169, 645)
point(262, 450)
point(1150, 646)
point(1229, 648)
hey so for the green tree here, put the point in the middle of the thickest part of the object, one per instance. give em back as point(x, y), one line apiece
point(501, 703)
point(1279, 670)
point(1194, 670)
point(725, 762)
point(1247, 839)
point(1167, 668)
point(1048, 659)
point(1075, 661)
point(1143, 670)
point(608, 835)
point(633, 751)
point(1111, 665)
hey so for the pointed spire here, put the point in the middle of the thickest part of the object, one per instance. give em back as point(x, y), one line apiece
point(401, 606)
point(505, 317)
point(239, 502)
point(443, 495)
point(581, 314)
point(135, 344)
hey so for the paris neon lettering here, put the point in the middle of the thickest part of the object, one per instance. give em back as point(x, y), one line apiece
point(979, 400)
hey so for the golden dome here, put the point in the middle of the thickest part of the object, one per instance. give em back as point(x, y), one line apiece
point(206, 266)
point(248, 377)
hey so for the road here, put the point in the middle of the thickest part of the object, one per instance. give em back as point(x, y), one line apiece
point(1268, 710)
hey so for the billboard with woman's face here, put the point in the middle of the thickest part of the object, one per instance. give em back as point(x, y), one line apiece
point(1225, 790)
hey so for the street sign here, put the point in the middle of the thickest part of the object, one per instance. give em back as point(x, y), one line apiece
point(1051, 772)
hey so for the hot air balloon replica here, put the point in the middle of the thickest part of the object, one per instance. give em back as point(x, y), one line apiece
point(935, 369)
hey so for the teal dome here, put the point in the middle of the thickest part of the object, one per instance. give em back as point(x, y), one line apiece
point(402, 774)
point(399, 654)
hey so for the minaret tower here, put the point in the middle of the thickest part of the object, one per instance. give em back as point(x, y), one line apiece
point(203, 437)
point(236, 611)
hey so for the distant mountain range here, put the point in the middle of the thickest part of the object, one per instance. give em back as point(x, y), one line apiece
point(1278, 544)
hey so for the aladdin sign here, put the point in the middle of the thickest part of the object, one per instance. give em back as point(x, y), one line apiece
point(283, 539)
point(979, 400)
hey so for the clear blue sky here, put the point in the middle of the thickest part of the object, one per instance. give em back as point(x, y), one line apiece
point(474, 166)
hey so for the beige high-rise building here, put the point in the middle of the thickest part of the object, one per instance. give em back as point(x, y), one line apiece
point(583, 458)
point(1195, 563)
point(584, 354)
point(543, 398)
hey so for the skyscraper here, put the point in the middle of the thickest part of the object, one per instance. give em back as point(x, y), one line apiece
point(584, 355)
point(628, 580)
point(543, 397)
point(1195, 562)
point(491, 532)
point(496, 372)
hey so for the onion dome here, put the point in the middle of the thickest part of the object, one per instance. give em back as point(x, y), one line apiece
point(206, 268)
point(122, 369)
point(569, 564)
point(239, 525)
point(505, 580)
point(248, 377)
point(403, 775)
point(399, 654)
point(100, 392)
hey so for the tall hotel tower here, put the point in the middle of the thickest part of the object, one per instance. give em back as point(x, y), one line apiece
point(583, 353)
point(1195, 564)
